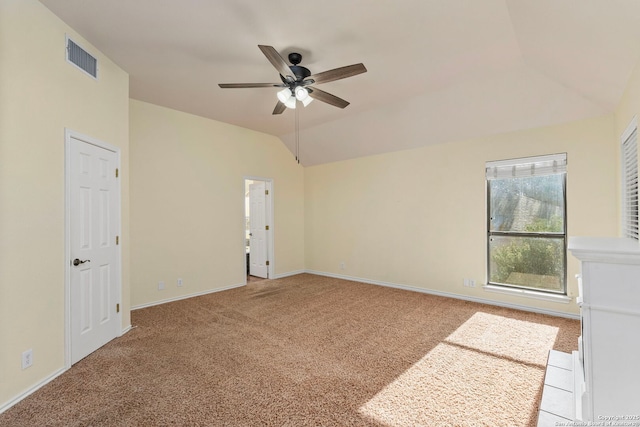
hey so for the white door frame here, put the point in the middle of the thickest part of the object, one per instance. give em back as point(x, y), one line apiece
point(68, 134)
point(269, 220)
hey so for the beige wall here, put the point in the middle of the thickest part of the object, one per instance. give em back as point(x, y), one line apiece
point(418, 217)
point(40, 96)
point(187, 202)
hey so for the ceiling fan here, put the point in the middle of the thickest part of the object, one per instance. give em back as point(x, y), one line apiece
point(297, 81)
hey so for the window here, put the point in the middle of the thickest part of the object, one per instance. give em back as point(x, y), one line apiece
point(630, 181)
point(526, 224)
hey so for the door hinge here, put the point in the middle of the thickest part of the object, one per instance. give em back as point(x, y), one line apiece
point(117, 240)
point(267, 263)
point(116, 172)
point(266, 227)
point(117, 308)
point(266, 192)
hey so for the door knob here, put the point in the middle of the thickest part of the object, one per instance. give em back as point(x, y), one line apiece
point(77, 262)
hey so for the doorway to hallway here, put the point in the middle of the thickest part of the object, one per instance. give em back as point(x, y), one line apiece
point(258, 230)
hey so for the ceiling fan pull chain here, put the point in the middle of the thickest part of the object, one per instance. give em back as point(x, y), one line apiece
point(297, 137)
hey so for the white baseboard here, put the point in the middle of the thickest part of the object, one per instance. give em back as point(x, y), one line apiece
point(197, 294)
point(181, 297)
point(31, 389)
point(289, 273)
point(447, 294)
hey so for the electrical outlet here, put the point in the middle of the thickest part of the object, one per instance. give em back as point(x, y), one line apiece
point(469, 283)
point(342, 265)
point(179, 282)
point(160, 286)
point(27, 358)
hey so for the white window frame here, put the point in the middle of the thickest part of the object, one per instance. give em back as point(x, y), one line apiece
point(521, 167)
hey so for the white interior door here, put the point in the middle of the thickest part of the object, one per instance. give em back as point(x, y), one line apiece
point(94, 206)
point(257, 225)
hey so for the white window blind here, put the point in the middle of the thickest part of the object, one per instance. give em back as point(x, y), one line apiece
point(630, 181)
point(529, 166)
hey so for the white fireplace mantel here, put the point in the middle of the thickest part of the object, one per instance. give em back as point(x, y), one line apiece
point(608, 363)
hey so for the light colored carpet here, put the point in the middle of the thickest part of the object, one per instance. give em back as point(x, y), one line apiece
point(310, 350)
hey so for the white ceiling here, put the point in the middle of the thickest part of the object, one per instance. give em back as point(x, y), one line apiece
point(438, 70)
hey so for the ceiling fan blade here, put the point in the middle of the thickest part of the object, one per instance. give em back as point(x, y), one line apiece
point(241, 85)
point(338, 73)
point(276, 60)
point(323, 96)
point(280, 107)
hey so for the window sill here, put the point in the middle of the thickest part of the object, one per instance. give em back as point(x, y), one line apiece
point(528, 293)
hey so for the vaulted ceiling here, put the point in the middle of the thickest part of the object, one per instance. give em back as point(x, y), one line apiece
point(438, 70)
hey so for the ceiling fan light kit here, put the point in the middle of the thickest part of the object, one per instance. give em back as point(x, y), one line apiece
point(297, 81)
point(284, 95)
point(301, 93)
point(290, 103)
point(307, 101)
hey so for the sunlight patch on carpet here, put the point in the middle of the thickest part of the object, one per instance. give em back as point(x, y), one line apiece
point(487, 372)
point(519, 340)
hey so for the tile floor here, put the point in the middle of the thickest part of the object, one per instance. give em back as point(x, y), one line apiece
point(557, 405)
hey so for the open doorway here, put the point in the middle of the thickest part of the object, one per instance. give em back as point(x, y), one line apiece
point(258, 230)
